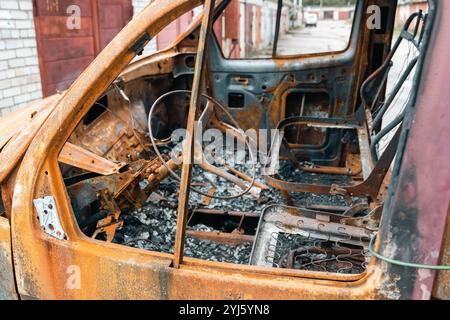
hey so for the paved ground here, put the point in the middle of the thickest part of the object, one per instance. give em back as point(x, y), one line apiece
point(327, 36)
point(334, 36)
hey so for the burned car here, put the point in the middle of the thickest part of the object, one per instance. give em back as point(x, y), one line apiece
point(317, 194)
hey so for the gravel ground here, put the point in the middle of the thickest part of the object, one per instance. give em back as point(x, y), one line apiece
point(153, 226)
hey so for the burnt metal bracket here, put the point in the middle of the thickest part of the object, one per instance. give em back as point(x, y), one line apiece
point(277, 28)
point(48, 217)
point(138, 46)
point(369, 188)
point(188, 151)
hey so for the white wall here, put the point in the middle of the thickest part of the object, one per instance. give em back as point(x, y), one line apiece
point(20, 80)
point(138, 5)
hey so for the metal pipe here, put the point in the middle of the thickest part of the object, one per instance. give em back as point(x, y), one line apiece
point(188, 154)
point(277, 28)
point(394, 93)
point(382, 133)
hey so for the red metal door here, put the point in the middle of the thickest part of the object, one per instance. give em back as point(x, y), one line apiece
point(232, 28)
point(258, 26)
point(248, 28)
point(218, 29)
point(65, 50)
point(344, 15)
point(175, 28)
point(113, 15)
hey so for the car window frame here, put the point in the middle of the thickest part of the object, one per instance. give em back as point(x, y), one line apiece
point(359, 5)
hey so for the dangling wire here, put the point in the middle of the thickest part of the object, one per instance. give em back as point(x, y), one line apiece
point(177, 177)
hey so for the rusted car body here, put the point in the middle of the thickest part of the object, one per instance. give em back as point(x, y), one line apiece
point(81, 156)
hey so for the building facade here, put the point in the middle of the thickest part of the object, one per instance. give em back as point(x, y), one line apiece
point(41, 54)
point(20, 80)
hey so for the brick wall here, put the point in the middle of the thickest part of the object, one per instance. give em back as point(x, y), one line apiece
point(19, 71)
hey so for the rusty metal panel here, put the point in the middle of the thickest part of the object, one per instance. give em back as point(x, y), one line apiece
point(109, 270)
point(52, 48)
point(63, 52)
point(58, 7)
point(19, 129)
point(7, 285)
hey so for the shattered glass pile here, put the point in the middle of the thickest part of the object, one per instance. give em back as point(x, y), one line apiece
point(153, 227)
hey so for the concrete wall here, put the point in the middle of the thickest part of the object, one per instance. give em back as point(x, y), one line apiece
point(20, 80)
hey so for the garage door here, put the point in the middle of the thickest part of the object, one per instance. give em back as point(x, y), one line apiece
point(70, 33)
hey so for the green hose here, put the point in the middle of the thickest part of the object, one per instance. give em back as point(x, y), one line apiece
point(401, 263)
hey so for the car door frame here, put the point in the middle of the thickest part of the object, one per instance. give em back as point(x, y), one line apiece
point(81, 268)
point(339, 74)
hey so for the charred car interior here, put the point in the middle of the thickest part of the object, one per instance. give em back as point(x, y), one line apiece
point(331, 119)
point(328, 195)
point(331, 180)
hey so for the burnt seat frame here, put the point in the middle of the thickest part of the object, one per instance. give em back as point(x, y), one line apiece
point(366, 120)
